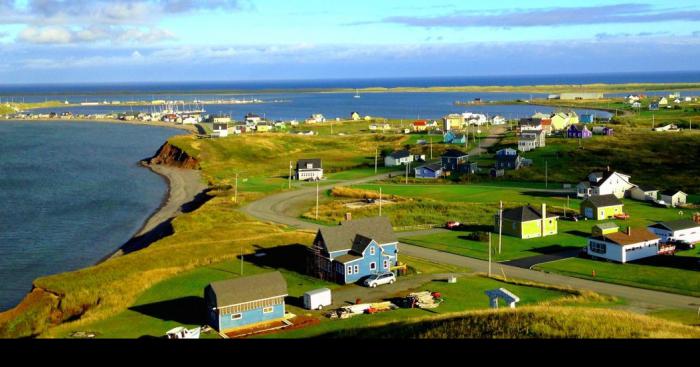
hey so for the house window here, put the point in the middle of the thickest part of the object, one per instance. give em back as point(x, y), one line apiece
point(386, 264)
point(349, 270)
point(357, 269)
point(236, 316)
point(371, 250)
point(268, 310)
point(372, 266)
point(599, 248)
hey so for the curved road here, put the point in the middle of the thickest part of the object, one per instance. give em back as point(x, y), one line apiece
point(273, 209)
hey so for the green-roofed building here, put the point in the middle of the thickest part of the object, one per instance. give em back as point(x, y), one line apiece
point(527, 222)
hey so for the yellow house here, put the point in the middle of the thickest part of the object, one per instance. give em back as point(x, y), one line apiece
point(601, 207)
point(527, 222)
point(452, 121)
point(263, 128)
point(562, 120)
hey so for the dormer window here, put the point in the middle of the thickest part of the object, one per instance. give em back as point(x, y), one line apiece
point(371, 250)
point(309, 165)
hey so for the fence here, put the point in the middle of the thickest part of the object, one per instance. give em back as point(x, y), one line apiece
point(417, 227)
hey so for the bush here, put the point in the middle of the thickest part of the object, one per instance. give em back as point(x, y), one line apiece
point(479, 236)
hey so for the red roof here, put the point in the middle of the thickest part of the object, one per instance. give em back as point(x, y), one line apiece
point(420, 123)
point(546, 122)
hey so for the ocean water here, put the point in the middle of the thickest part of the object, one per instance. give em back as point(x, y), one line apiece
point(71, 193)
point(390, 105)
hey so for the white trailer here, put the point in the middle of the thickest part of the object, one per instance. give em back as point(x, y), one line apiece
point(317, 299)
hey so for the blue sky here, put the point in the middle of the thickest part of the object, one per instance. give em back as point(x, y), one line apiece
point(47, 41)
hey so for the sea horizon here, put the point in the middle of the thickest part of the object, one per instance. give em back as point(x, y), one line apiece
point(198, 86)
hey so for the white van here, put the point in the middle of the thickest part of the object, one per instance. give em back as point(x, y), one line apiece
point(317, 299)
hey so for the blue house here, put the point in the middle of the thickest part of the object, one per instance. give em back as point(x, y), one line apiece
point(454, 160)
point(429, 171)
point(245, 302)
point(448, 137)
point(354, 250)
point(454, 138)
point(654, 106)
point(586, 118)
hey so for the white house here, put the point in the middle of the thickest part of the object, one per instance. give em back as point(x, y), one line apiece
point(477, 119)
point(624, 246)
point(604, 183)
point(498, 120)
point(398, 158)
point(309, 170)
point(663, 101)
point(527, 143)
point(674, 197)
point(677, 230)
point(644, 193)
point(220, 130)
point(317, 117)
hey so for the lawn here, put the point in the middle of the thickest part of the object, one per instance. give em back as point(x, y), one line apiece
point(178, 300)
point(659, 278)
point(684, 316)
point(466, 294)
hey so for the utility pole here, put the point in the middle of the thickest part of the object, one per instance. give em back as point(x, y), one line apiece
point(380, 201)
point(376, 152)
point(241, 260)
point(489, 254)
point(500, 226)
point(235, 190)
point(316, 200)
point(290, 175)
point(431, 148)
point(546, 175)
point(407, 174)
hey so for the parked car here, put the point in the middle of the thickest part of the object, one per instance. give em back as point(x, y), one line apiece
point(662, 204)
point(452, 225)
point(378, 279)
point(682, 245)
point(622, 216)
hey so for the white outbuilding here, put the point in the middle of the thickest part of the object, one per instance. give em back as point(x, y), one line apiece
point(677, 230)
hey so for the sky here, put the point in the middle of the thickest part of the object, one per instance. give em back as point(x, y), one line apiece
point(66, 41)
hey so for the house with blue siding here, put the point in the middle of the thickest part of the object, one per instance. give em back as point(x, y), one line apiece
point(429, 171)
point(586, 118)
point(354, 250)
point(454, 138)
point(246, 301)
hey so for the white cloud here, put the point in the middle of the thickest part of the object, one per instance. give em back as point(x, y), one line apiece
point(46, 35)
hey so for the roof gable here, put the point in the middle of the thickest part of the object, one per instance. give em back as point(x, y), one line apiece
point(251, 288)
point(676, 225)
point(524, 214)
point(602, 201)
point(343, 237)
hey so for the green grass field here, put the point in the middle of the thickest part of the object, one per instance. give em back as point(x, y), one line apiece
point(466, 294)
point(178, 300)
point(644, 276)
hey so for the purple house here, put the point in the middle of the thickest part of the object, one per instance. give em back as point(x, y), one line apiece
point(578, 132)
point(602, 130)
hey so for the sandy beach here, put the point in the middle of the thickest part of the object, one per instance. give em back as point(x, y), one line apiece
point(184, 187)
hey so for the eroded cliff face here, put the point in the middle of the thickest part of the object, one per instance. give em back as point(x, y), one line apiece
point(171, 155)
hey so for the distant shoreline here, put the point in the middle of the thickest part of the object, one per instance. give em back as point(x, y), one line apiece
point(539, 88)
point(189, 128)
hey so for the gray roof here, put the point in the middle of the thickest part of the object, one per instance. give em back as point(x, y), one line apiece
point(600, 201)
point(342, 237)
point(250, 288)
point(316, 162)
point(676, 225)
point(454, 153)
point(524, 214)
point(671, 192)
point(400, 153)
point(433, 167)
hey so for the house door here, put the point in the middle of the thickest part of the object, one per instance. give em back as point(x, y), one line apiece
point(588, 212)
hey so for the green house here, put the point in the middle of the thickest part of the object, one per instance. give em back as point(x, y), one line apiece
point(526, 222)
point(601, 207)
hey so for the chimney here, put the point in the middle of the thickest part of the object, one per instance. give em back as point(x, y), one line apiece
point(544, 216)
point(629, 231)
point(348, 216)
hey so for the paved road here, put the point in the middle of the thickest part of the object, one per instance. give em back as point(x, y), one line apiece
point(529, 262)
point(273, 208)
